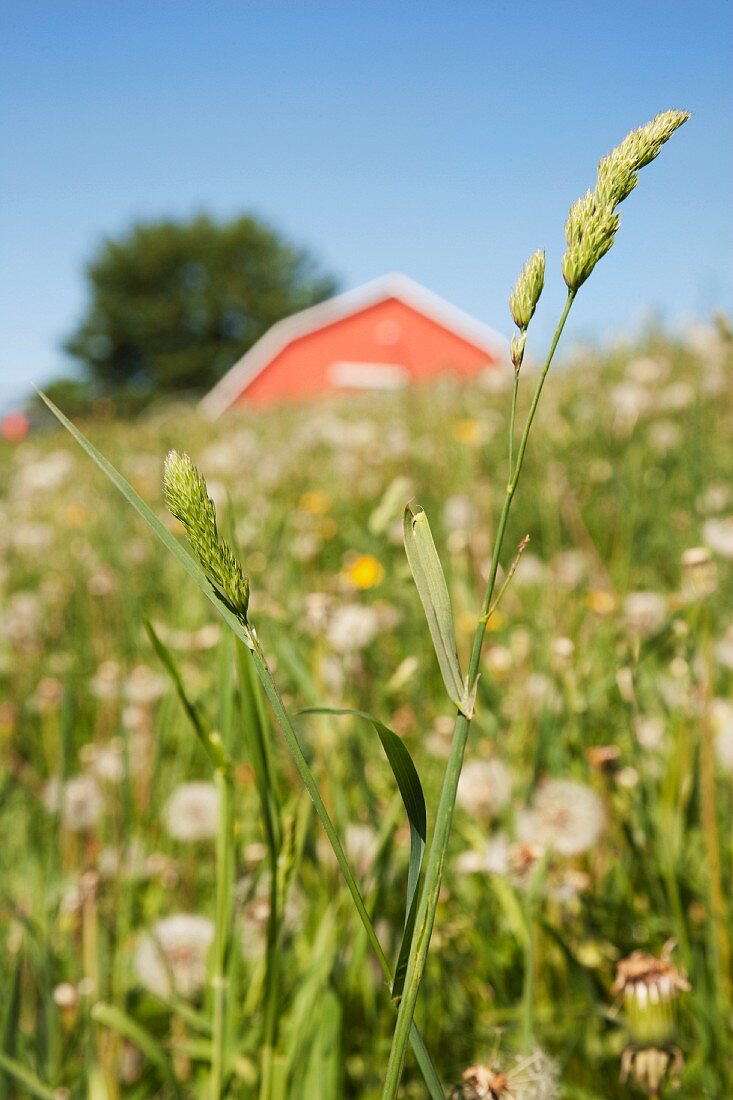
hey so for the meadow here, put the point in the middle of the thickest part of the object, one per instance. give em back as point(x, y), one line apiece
point(594, 811)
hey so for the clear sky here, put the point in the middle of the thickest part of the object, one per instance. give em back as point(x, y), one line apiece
point(443, 139)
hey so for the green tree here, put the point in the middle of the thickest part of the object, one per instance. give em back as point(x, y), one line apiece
point(174, 304)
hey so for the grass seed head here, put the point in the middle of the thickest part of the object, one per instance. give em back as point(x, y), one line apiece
point(592, 223)
point(526, 294)
point(187, 499)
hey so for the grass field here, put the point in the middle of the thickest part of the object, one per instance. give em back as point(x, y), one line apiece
point(594, 814)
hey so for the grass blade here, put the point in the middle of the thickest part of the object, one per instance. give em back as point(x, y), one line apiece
point(429, 579)
point(410, 788)
point(116, 1020)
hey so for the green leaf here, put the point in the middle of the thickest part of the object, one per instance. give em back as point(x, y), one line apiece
point(33, 1085)
point(410, 788)
point(116, 1020)
point(433, 591)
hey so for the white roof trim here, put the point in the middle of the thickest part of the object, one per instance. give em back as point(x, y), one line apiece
point(276, 339)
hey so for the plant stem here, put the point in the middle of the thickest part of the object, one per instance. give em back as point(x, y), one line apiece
point(530, 954)
point(512, 419)
point(436, 1090)
point(222, 929)
point(272, 982)
point(444, 818)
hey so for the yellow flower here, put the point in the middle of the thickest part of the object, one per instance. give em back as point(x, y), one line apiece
point(315, 501)
point(600, 602)
point(466, 622)
point(364, 571)
point(467, 431)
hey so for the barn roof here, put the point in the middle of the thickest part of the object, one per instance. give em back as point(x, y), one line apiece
point(307, 321)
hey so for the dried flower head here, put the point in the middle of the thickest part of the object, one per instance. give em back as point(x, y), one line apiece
point(650, 1067)
point(187, 499)
point(649, 986)
point(533, 1077)
point(592, 223)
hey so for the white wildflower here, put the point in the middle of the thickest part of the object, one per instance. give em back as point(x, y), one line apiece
point(565, 817)
point(78, 800)
point(644, 613)
point(484, 788)
point(718, 535)
point(361, 843)
point(106, 762)
point(647, 371)
point(721, 714)
point(43, 475)
point(191, 813)
point(724, 649)
point(650, 732)
point(352, 627)
point(172, 958)
point(143, 686)
point(105, 682)
point(459, 513)
point(568, 569)
point(664, 436)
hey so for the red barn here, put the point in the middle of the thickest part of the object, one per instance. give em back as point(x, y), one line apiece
point(383, 335)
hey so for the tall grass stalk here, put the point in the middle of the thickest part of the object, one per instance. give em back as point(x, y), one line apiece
point(590, 232)
point(436, 855)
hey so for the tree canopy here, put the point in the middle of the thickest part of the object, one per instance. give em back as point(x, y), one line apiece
point(174, 304)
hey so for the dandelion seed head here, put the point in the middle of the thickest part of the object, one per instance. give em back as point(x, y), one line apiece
point(352, 628)
point(718, 535)
point(484, 788)
point(191, 813)
point(78, 800)
point(644, 613)
point(172, 958)
point(566, 817)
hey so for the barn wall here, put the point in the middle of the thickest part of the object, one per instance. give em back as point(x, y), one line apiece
point(389, 332)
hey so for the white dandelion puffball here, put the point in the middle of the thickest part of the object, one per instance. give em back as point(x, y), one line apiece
point(484, 788)
point(644, 613)
point(724, 649)
point(78, 800)
point(718, 535)
point(565, 817)
point(192, 811)
point(721, 713)
point(172, 958)
point(352, 628)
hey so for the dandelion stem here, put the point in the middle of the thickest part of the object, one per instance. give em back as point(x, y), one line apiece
point(222, 930)
point(530, 954)
point(444, 818)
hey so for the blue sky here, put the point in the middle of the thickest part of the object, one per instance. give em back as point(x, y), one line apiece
point(443, 139)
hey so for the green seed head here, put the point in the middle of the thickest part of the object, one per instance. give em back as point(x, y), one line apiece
point(187, 499)
point(592, 224)
point(650, 986)
point(589, 232)
point(526, 294)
